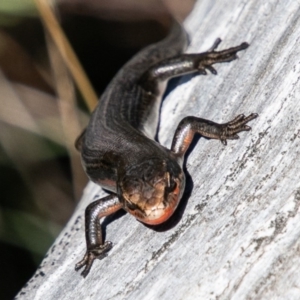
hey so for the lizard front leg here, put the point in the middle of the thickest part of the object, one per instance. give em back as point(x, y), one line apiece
point(93, 232)
point(187, 128)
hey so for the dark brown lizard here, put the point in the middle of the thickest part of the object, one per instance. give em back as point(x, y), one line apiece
point(118, 148)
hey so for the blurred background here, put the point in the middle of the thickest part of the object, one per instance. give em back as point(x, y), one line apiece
point(42, 111)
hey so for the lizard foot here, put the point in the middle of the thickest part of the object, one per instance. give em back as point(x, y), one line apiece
point(211, 56)
point(229, 130)
point(95, 252)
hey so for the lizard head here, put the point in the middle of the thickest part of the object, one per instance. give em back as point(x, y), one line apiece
point(152, 190)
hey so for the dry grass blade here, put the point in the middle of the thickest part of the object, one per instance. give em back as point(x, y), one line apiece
point(69, 118)
point(62, 55)
point(67, 53)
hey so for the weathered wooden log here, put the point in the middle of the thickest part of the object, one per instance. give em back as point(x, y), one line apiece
point(236, 232)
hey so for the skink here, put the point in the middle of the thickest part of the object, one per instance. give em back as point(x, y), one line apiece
point(118, 149)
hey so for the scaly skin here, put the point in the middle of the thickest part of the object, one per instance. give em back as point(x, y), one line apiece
point(118, 148)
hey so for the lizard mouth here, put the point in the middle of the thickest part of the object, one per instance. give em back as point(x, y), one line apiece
point(157, 207)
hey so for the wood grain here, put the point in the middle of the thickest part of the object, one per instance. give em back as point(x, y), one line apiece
point(237, 235)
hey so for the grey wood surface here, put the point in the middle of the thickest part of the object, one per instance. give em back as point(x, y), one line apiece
point(237, 235)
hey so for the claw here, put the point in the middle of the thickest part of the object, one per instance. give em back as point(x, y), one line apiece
point(80, 264)
point(251, 117)
point(244, 46)
point(215, 45)
point(202, 71)
point(212, 70)
point(223, 141)
point(237, 118)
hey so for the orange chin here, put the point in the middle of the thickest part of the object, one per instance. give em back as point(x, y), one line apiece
point(167, 213)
